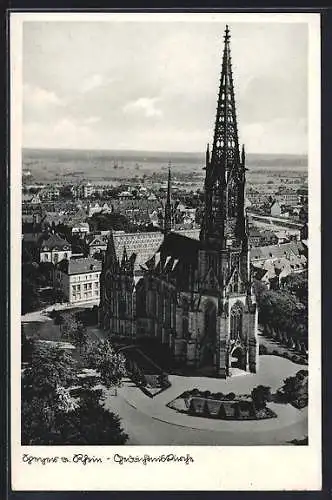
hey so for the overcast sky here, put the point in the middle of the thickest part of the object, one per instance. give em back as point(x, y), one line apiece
point(153, 86)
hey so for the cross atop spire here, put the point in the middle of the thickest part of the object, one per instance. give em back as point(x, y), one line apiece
point(227, 35)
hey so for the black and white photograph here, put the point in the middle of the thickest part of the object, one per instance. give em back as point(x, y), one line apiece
point(166, 170)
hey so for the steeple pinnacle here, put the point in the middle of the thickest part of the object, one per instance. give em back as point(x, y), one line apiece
point(243, 155)
point(124, 257)
point(168, 206)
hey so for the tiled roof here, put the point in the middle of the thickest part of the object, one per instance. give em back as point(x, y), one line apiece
point(80, 266)
point(54, 241)
point(277, 251)
point(144, 245)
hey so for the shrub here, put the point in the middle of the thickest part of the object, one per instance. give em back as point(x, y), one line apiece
point(206, 411)
point(191, 410)
point(275, 353)
point(237, 413)
point(295, 359)
point(185, 395)
point(261, 395)
point(52, 314)
point(222, 413)
point(230, 396)
point(302, 373)
point(262, 349)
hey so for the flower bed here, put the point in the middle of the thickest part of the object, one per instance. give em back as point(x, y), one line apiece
point(219, 406)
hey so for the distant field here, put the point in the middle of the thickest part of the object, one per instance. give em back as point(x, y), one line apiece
point(47, 165)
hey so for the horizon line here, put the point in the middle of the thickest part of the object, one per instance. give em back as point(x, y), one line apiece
point(151, 151)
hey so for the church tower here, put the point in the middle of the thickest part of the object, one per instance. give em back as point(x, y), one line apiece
point(168, 219)
point(224, 264)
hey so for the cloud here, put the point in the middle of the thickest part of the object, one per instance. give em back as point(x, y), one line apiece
point(66, 131)
point(91, 120)
point(145, 106)
point(38, 97)
point(94, 81)
point(158, 82)
point(284, 135)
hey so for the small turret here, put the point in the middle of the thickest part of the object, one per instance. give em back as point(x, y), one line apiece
point(124, 257)
point(207, 157)
point(168, 206)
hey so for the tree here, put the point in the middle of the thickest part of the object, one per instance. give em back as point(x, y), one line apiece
point(281, 313)
point(295, 387)
point(102, 357)
point(29, 297)
point(45, 392)
point(51, 415)
point(91, 424)
point(74, 331)
point(259, 289)
point(27, 346)
point(50, 368)
point(260, 396)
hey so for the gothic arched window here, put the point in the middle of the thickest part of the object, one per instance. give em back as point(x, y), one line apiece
point(236, 319)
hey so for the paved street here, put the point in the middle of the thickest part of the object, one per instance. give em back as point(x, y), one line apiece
point(145, 429)
point(150, 421)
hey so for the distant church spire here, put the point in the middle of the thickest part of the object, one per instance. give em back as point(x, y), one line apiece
point(168, 206)
point(224, 182)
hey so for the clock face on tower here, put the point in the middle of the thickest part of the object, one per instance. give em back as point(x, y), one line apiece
point(108, 285)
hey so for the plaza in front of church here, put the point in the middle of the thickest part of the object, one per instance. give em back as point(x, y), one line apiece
point(152, 422)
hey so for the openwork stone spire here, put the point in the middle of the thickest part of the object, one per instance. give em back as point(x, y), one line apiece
point(223, 223)
point(225, 151)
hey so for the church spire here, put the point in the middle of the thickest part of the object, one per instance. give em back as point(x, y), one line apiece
point(223, 222)
point(225, 151)
point(168, 206)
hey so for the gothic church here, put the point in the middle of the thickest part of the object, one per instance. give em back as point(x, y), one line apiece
point(195, 296)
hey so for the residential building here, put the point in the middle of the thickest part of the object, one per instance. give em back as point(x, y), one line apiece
point(79, 280)
point(54, 248)
point(49, 193)
point(97, 244)
point(80, 229)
